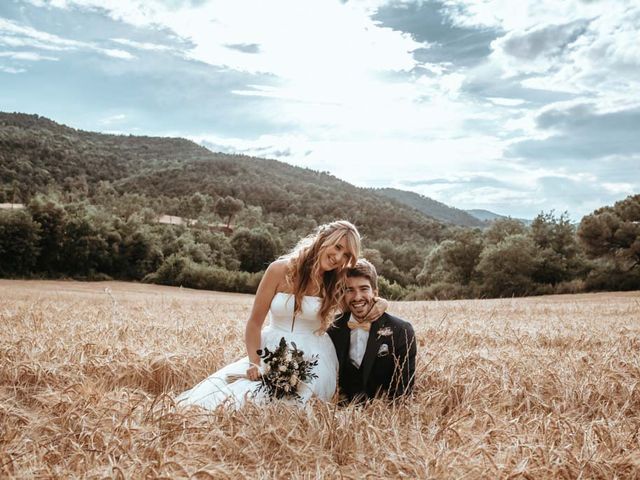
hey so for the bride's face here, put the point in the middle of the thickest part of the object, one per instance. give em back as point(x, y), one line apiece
point(334, 256)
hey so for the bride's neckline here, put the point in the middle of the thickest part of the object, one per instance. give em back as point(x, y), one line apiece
point(291, 294)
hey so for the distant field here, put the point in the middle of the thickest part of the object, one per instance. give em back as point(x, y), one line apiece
point(545, 387)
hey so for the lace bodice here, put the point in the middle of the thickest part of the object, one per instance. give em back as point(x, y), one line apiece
point(281, 314)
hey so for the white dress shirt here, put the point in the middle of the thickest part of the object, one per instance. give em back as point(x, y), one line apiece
point(358, 345)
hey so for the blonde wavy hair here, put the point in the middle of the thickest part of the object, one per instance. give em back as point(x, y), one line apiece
point(303, 268)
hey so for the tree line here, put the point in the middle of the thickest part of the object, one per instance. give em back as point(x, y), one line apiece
point(59, 235)
point(552, 255)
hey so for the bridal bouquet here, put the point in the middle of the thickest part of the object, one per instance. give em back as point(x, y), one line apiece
point(285, 369)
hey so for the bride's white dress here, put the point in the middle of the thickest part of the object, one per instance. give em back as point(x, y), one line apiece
point(214, 390)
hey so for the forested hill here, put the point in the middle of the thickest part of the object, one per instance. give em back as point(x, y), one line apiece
point(36, 153)
point(433, 208)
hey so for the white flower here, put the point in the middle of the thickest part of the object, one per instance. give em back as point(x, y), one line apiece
point(288, 357)
point(282, 368)
point(385, 332)
point(295, 365)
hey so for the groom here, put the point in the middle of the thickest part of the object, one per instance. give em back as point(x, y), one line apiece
point(376, 357)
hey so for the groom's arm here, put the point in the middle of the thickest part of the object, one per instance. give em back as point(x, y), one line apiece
point(404, 362)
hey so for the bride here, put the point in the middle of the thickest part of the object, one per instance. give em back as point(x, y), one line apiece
point(301, 292)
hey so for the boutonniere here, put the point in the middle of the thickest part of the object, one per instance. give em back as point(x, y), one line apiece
point(385, 332)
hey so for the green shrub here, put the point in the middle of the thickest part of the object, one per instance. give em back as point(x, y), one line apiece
point(572, 286)
point(390, 290)
point(181, 271)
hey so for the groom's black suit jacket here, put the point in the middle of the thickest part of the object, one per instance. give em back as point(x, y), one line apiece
point(390, 373)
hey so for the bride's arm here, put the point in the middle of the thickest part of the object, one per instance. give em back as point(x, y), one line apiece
point(265, 293)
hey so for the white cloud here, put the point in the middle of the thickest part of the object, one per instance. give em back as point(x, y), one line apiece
point(311, 47)
point(116, 53)
point(11, 70)
point(506, 102)
point(571, 46)
point(143, 45)
point(619, 188)
point(17, 35)
point(27, 56)
point(110, 120)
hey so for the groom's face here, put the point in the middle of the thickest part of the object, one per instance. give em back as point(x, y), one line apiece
point(360, 295)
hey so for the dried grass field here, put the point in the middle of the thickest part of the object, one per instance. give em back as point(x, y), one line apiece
point(545, 387)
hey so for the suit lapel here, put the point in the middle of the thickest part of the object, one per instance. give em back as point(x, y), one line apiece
point(343, 335)
point(371, 352)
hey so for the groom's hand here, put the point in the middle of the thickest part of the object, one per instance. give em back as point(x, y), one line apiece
point(377, 309)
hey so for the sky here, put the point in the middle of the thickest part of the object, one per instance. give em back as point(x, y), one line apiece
point(517, 107)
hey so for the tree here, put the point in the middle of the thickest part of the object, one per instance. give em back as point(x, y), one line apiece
point(19, 239)
point(255, 249)
point(373, 256)
point(84, 250)
point(502, 228)
point(614, 232)
point(198, 204)
point(559, 257)
point(506, 267)
point(453, 260)
point(52, 218)
point(141, 254)
point(227, 207)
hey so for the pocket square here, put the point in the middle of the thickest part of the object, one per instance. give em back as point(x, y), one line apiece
point(383, 351)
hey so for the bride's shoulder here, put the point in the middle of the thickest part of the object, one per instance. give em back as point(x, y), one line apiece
point(277, 272)
point(278, 267)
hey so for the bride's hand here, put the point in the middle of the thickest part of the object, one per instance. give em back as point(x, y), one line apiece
point(253, 373)
point(377, 310)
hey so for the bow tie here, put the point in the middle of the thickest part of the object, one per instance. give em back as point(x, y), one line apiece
point(353, 323)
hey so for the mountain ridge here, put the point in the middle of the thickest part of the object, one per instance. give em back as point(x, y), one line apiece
point(37, 153)
point(431, 207)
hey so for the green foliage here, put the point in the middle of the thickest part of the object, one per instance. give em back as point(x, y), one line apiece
point(502, 228)
point(141, 254)
point(453, 261)
point(227, 207)
point(52, 218)
point(19, 242)
point(397, 262)
point(255, 249)
point(180, 271)
point(607, 275)
point(391, 290)
point(94, 201)
point(507, 266)
point(559, 257)
point(614, 233)
point(84, 251)
point(176, 176)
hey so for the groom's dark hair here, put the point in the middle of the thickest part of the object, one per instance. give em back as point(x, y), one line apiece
point(364, 268)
